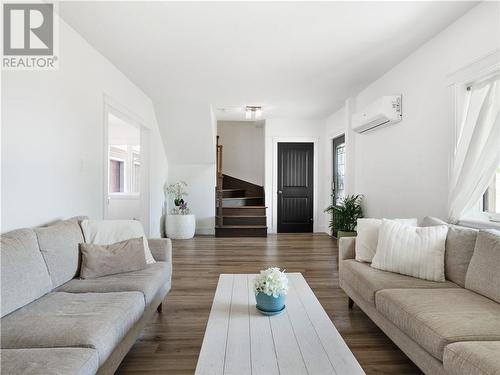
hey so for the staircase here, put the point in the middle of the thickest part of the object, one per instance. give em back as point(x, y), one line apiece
point(239, 206)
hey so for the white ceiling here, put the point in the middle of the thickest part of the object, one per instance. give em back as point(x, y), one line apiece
point(296, 59)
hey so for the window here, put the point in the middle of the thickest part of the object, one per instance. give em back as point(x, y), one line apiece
point(136, 169)
point(476, 171)
point(340, 152)
point(490, 203)
point(124, 157)
point(116, 176)
point(338, 185)
point(124, 169)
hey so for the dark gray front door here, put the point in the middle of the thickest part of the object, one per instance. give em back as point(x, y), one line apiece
point(295, 187)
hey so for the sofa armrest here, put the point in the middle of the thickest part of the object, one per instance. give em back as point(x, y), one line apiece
point(347, 248)
point(161, 248)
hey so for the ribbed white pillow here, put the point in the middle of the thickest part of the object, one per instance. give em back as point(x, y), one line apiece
point(108, 232)
point(367, 238)
point(412, 251)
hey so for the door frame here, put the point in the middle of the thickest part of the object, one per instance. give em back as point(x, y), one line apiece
point(110, 106)
point(290, 228)
point(329, 173)
point(274, 192)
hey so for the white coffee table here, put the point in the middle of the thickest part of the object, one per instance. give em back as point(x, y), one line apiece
point(302, 340)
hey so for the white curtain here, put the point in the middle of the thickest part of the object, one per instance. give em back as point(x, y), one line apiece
point(477, 151)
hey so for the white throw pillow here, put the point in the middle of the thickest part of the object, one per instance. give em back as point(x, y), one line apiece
point(412, 251)
point(108, 232)
point(367, 238)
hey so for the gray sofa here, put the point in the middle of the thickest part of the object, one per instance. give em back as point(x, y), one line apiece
point(451, 327)
point(54, 323)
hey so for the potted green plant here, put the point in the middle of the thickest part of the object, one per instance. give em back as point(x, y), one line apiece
point(345, 216)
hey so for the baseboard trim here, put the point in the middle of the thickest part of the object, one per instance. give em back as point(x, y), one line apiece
point(205, 231)
point(324, 229)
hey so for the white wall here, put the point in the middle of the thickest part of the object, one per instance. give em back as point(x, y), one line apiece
point(121, 132)
point(243, 149)
point(335, 124)
point(200, 177)
point(188, 128)
point(201, 192)
point(52, 137)
point(403, 170)
point(293, 130)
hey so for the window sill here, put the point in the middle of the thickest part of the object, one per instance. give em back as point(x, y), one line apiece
point(124, 196)
point(479, 223)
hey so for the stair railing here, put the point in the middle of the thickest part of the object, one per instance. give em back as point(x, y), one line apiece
point(218, 188)
point(219, 160)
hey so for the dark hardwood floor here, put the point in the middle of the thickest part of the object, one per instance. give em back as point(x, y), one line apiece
point(170, 344)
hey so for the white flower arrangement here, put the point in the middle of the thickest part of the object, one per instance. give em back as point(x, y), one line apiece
point(272, 282)
point(178, 190)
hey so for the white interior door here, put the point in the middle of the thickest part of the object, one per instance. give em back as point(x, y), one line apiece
point(126, 168)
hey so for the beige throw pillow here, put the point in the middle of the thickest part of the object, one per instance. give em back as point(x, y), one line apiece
point(107, 232)
point(102, 260)
point(412, 251)
point(367, 238)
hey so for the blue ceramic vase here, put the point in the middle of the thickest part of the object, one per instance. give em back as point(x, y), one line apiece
point(269, 303)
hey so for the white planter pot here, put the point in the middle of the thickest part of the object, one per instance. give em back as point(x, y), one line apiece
point(180, 227)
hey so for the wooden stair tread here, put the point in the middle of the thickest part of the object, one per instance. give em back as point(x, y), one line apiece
point(233, 194)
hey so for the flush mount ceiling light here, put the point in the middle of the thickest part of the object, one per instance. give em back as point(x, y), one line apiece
point(253, 112)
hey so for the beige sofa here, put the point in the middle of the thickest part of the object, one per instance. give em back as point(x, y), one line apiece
point(54, 323)
point(451, 327)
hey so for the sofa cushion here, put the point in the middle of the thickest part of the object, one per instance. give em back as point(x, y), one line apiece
point(107, 232)
point(161, 248)
point(53, 361)
point(24, 275)
point(367, 238)
point(460, 243)
point(435, 318)
point(483, 275)
point(367, 280)
point(59, 246)
point(90, 320)
point(473, 357)
point(104, 260)
point(147, 281)
point(411, 251)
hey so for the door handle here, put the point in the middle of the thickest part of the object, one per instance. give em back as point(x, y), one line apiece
point(280, 192)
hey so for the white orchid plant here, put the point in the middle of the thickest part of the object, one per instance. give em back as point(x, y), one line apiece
point(272, 282)
point(178, 191)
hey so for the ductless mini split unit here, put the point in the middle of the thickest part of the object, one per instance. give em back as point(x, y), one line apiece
point(383, 112)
